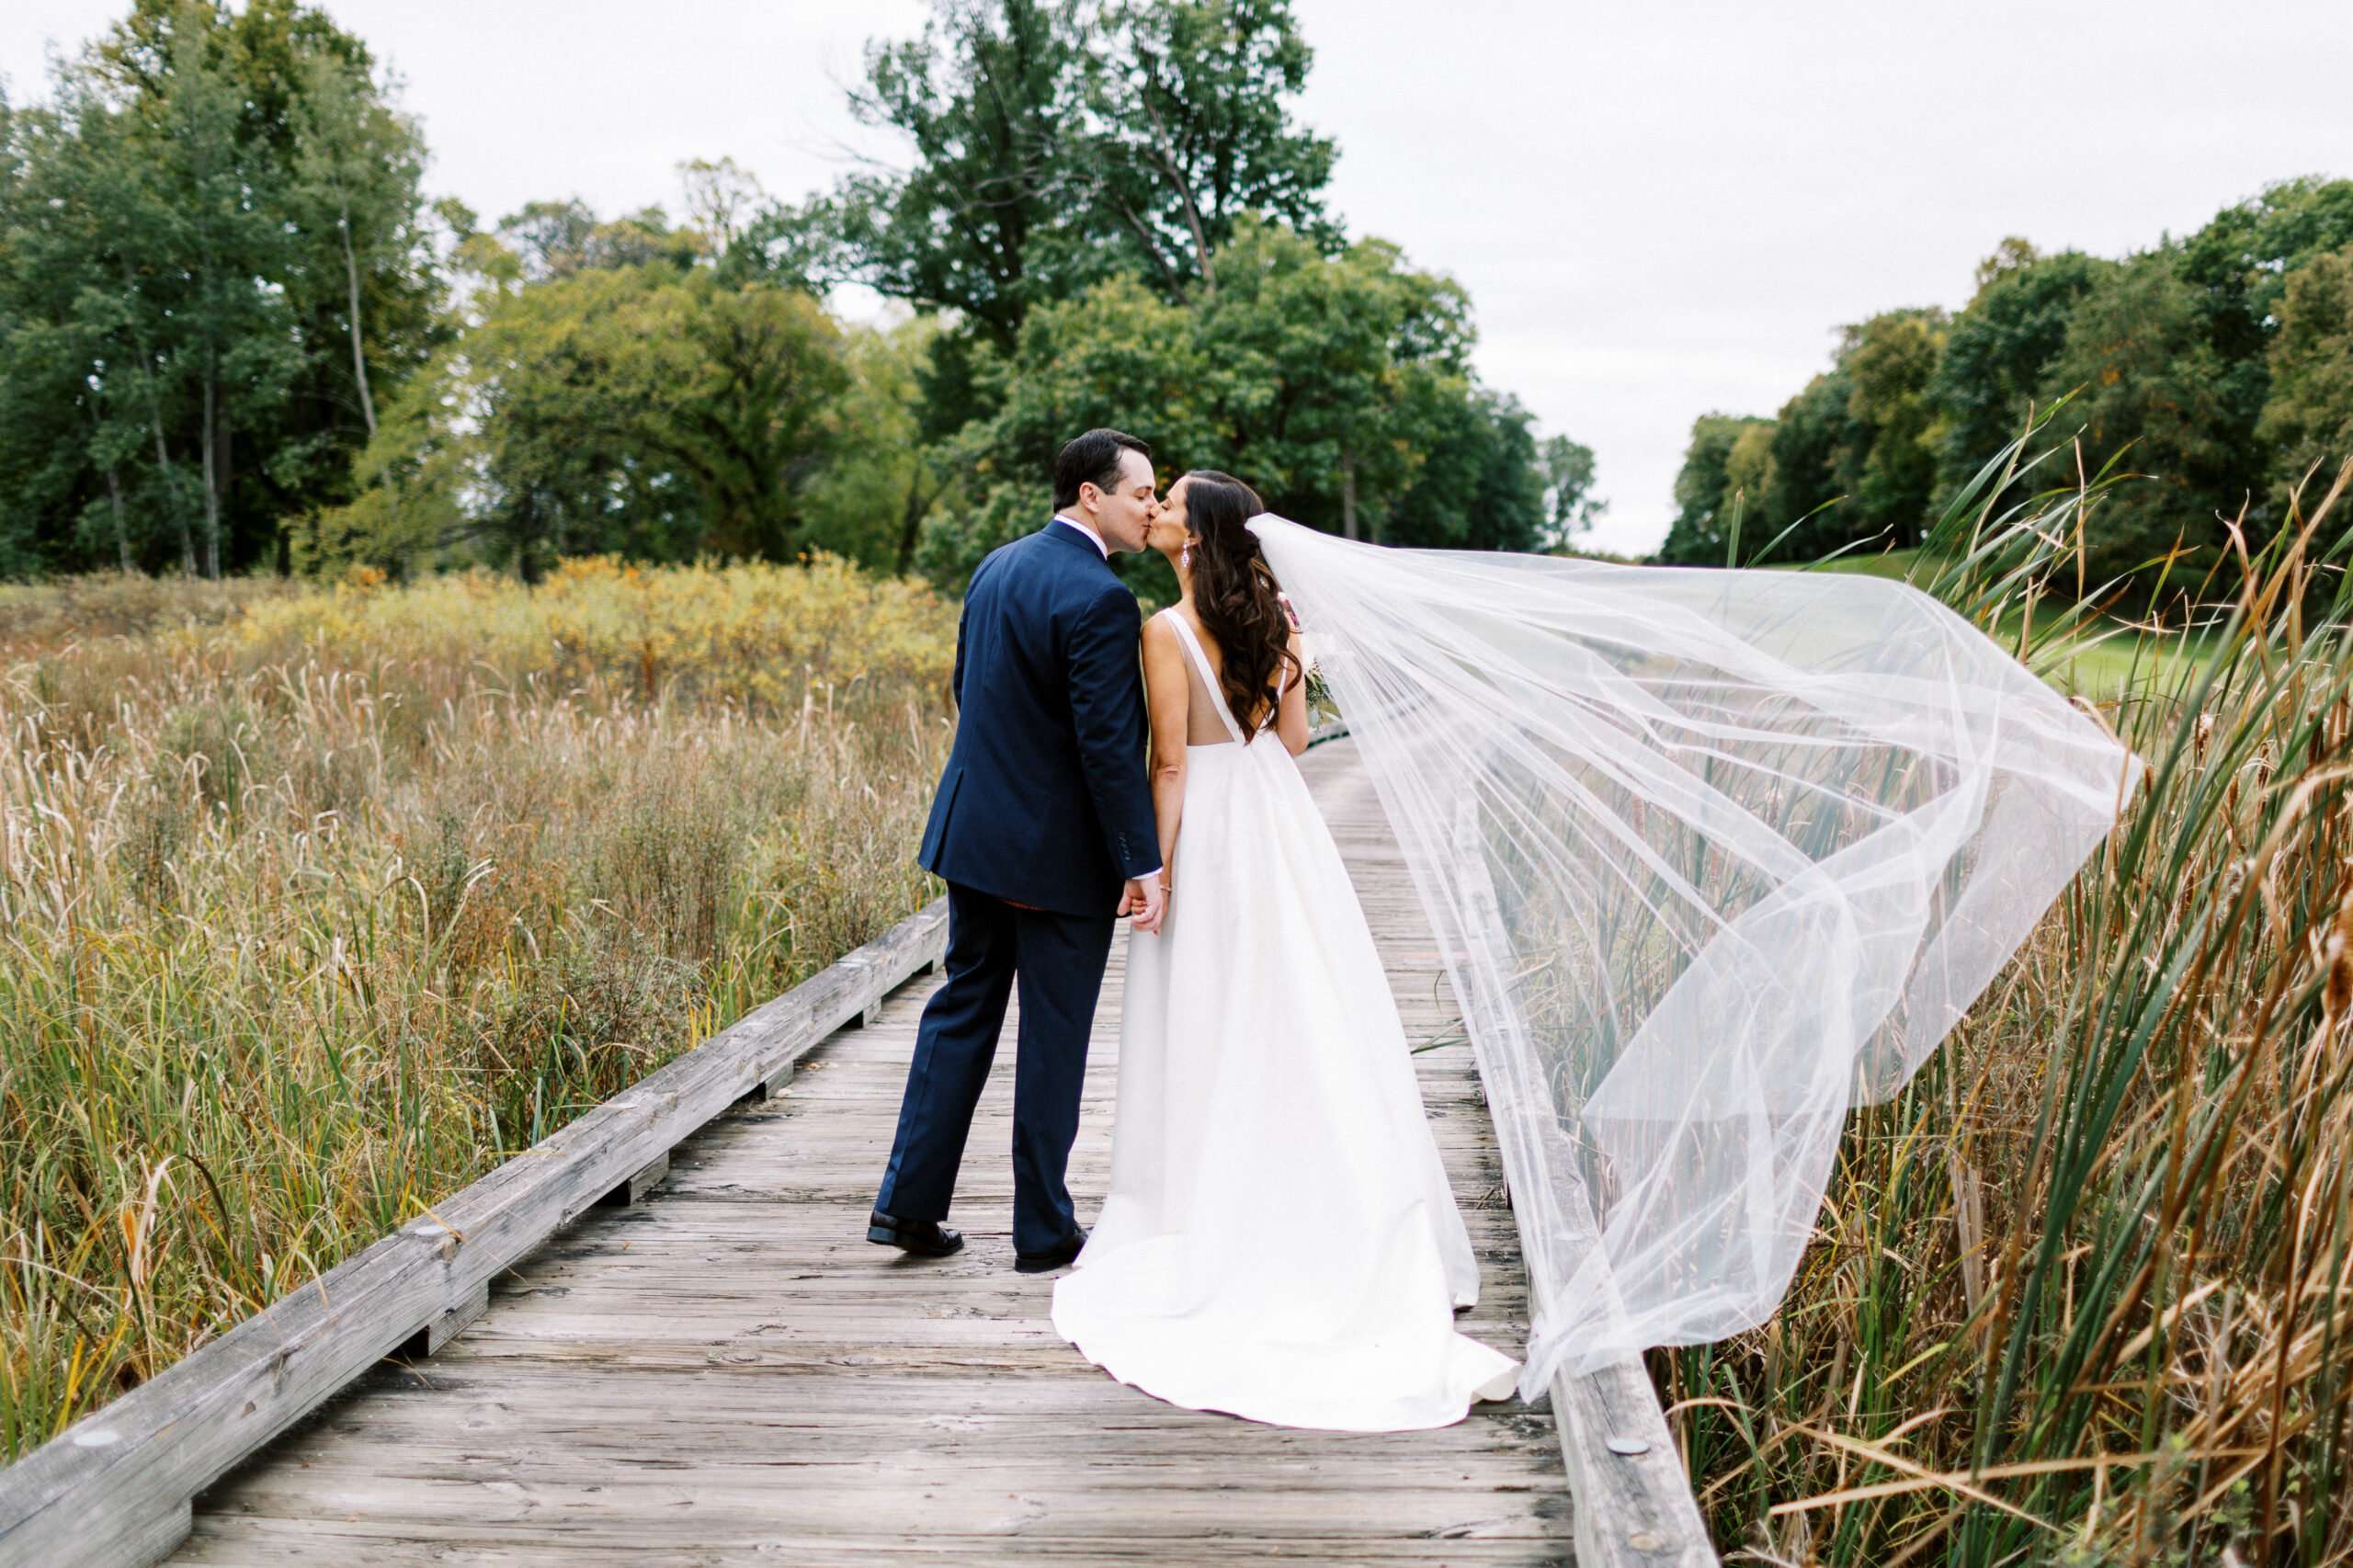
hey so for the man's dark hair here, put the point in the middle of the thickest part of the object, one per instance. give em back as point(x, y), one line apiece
point(1092, 459)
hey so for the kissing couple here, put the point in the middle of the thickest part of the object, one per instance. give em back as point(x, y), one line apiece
point(1279, 1241)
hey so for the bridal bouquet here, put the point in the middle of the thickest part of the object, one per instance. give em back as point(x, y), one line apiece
point(1320, 703)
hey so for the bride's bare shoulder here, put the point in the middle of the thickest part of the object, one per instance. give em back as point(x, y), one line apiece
point(1160, 637)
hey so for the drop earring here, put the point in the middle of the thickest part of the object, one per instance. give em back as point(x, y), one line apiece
point(1184, 558)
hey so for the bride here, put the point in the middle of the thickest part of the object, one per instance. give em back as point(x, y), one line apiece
point(1710, 857)
point(1279, 1241)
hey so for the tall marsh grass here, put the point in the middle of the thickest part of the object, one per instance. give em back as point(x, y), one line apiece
point(316, 905)
point(2079, 1295)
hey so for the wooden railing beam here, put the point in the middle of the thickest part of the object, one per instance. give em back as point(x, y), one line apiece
point(1634, 1508)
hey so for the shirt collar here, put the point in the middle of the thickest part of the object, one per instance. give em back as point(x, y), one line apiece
point(1089, 535)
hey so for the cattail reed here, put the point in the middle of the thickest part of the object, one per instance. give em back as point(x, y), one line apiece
point(2078, 1295)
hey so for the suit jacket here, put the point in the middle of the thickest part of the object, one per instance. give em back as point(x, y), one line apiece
point(1045, 800)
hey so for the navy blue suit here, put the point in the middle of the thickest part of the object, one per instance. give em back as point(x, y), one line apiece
point(1043, 815)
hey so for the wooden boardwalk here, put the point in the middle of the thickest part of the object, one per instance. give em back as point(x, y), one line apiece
point(728, 1373)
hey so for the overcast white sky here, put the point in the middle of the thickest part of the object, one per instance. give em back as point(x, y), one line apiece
point(1660, 209)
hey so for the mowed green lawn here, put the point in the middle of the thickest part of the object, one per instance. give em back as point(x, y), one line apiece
point(2109, 657)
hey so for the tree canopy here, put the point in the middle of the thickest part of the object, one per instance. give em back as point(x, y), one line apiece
point(1054, 146)
point(235, 333)
point(214, 252)
point(2209, 367)
point(1337, 385)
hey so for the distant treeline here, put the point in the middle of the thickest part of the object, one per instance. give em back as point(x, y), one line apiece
point(2220, 367)
point(236, 334)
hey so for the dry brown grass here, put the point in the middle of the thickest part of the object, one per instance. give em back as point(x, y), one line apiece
point(313, 906)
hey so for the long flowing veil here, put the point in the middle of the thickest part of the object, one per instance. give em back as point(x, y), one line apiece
point(1710, 857)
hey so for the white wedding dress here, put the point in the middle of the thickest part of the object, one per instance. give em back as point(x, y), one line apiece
point(1279, 1241)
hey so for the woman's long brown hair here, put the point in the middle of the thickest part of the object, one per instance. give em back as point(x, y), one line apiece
point(1234, 594)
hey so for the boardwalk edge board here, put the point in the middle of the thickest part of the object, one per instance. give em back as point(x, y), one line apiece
point(1634, 1502)
point(1633, 1506)
point(113, 1490)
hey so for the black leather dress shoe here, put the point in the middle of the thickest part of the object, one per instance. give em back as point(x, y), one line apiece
point(926, 1238)
point(1053, 1257)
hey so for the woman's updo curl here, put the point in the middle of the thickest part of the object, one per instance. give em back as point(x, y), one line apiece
point(1234, 593)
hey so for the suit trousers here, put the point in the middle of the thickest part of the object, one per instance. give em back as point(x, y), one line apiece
point(1058, 959)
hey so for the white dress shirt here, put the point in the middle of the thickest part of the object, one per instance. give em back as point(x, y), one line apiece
point(1086, 533)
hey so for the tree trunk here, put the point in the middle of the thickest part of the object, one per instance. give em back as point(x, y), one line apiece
point(163, 452)
point(121, 528)
point(911, 523)
point(114, 493)
point(171, 480)
point(1192, 213)
point(359, 359)
point(211, 442)
point(228, 467)
point(526, 564)
point(1349, 493)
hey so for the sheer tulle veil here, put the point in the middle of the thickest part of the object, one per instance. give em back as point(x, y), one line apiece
point(1711, 856)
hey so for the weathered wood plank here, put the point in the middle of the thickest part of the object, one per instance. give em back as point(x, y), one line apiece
point(1634, 1503)
point(360, 1543)
point(726, 1372)
point(728, 1364)
point(1632, 1507)
point(113, 1489)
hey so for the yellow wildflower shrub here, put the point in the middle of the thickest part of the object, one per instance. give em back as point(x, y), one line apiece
point(759, 635)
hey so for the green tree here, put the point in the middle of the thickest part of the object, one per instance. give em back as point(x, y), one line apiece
point(1330, 383)
point(883, 481)
point(551, 241)
point(77, 396)
point(1710, 493)
point(2155, 392)
point(983, 99)
point(1998, 353)
point(733, 389)
point(2172, 354)
point(231, 347)
point(2240, 259)
point(1327, 380)
point(2308, 420)
point(358, 164)
point(1571, 509)
point(641, 409)
point(1053, 146)
point(1118, 355)
point(1850, 460)
point(1191, 126)
point(1478, 485)
point(185, 344)
point(1819, 447)
point(1892, 358)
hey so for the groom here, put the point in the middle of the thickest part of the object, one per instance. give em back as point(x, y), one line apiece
point(1044, 831)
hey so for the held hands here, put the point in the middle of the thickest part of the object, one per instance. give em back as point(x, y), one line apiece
point(1146, 899)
